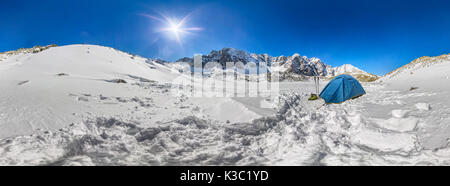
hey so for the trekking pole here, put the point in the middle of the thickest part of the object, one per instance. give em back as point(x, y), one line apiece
point(315, 84)
point(318, 86)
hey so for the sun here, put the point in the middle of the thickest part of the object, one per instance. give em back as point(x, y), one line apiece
point(176, 28)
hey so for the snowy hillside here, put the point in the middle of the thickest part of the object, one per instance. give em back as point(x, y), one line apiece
point(425, 72)
point(423, 86)
point(56, 87)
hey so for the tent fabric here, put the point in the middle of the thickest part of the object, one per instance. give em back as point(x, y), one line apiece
point(341, 88)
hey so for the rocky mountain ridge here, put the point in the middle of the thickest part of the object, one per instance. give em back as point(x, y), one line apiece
point(291, 67)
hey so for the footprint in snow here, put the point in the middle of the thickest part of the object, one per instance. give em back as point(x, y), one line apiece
point(23, 82)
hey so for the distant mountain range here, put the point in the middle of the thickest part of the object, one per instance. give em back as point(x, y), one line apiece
point(295, 67)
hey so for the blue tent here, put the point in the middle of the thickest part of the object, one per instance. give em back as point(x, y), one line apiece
point(342, 88)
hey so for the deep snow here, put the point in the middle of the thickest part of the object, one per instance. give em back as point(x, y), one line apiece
point(85, 117)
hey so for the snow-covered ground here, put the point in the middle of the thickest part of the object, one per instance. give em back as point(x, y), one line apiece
point(66, 106)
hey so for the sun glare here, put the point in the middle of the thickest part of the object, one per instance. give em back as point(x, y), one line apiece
point(174, 27)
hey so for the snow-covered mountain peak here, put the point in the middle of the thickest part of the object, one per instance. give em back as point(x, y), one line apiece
point(296, 55)
point(355, 72)
point(347, 68)
point(315, 60)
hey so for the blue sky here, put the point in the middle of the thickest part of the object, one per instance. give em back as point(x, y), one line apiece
point(377, 36)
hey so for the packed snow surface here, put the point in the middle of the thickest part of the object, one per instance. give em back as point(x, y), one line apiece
point(92, 105)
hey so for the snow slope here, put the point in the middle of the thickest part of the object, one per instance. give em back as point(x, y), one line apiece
point(59, 86)
point(301, 133)
point(431, 73)
point(426, 81)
